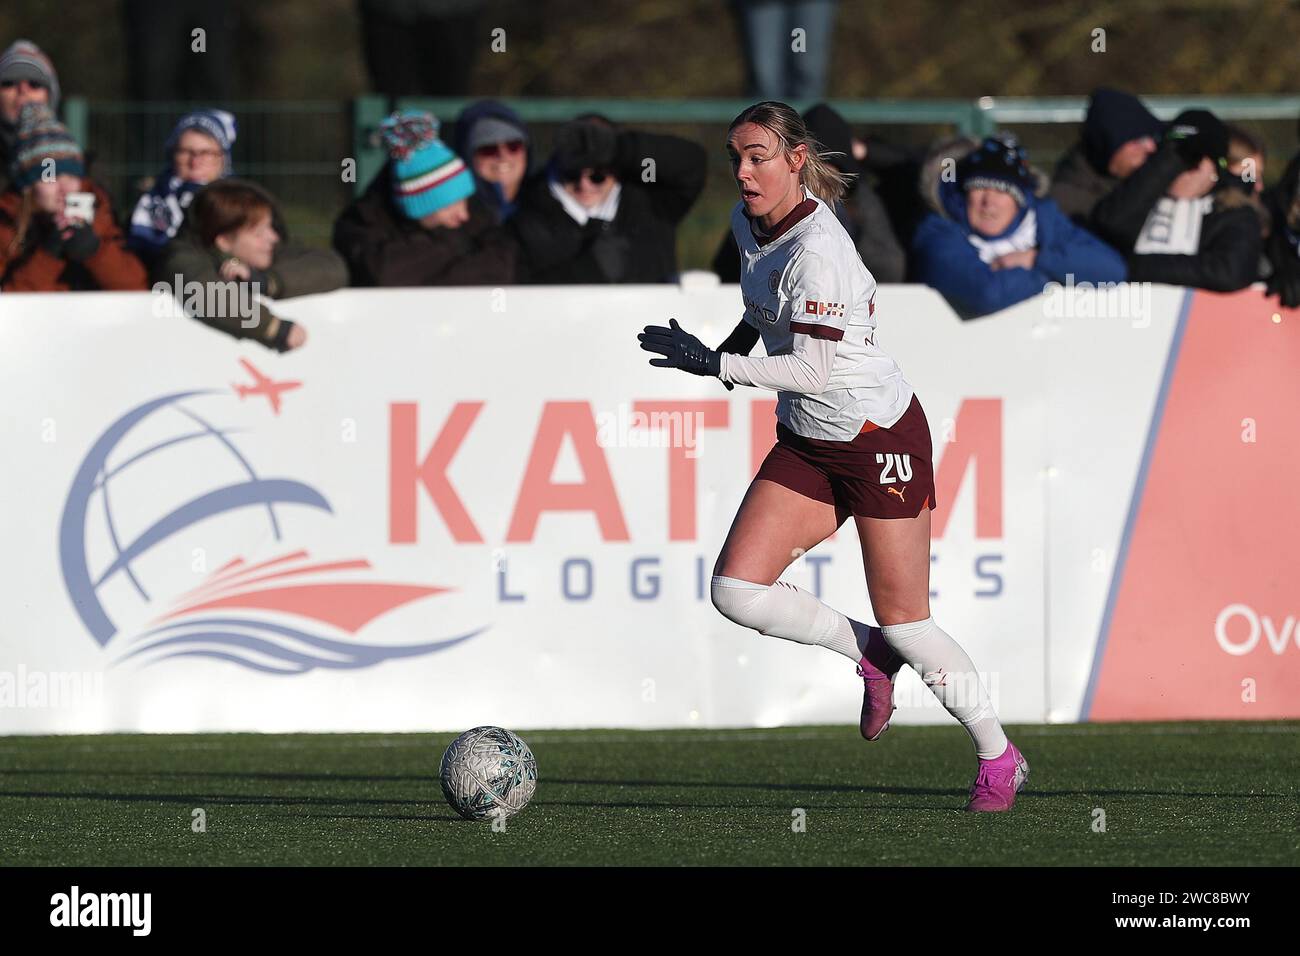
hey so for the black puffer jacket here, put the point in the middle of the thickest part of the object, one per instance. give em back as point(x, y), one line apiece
point(639, 244)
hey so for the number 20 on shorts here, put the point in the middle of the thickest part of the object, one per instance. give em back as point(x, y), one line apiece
point(900, 464)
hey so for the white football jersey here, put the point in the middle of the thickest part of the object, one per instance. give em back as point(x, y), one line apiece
point(813, 301)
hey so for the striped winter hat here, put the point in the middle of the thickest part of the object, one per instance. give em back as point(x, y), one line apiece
point(999, 163)
point(41, 137)
point(24, 60)
point(427, 175)
point(219, 124)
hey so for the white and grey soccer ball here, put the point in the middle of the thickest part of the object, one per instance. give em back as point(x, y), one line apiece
point(488, 772)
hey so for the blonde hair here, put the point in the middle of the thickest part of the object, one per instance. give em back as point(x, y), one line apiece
point(822, 179)
point(26, 210)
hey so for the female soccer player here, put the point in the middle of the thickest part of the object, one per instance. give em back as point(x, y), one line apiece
point(852, 439)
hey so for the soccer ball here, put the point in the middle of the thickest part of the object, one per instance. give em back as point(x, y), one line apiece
point(488, 772)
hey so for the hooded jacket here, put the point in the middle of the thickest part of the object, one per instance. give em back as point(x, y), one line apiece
point(947, 260)
point(490, 193)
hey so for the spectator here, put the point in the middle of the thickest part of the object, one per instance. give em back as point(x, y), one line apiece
point(1245, 160)
point(231, 239)
point(199, 152)
point(860, 212)
point(44, 248)
point(1243, 186)
point(991, 242)
point(26, 76)
point(607, 205)
point(492, 138)
point(776, 69)
point(1177, 220)
point(1283, 244)
point(420, 223)
point(1119, 133)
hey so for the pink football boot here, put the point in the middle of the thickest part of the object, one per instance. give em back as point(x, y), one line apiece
point(998, 782)
point(878, 668)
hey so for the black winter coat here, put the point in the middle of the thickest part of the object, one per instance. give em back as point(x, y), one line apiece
point(639, 244)
point(1228, 256)
point(382, 247)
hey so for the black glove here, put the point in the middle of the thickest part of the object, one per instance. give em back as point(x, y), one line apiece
point(681, 350)
point(1197, 133)
point(79, 243)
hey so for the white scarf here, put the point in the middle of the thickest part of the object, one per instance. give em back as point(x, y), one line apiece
point(1025, 237)
point(1173, 227)
point(606, 209)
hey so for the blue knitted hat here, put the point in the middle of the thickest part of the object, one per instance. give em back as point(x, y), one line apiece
point(427, 175)
point(999, 163)
point(219, 124)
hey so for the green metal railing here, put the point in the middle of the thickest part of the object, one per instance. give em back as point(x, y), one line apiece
point(298, 148)
point(973, 117)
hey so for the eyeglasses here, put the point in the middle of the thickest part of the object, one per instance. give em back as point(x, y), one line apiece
point(491, 150)
point(594, 176)
point(184, 152)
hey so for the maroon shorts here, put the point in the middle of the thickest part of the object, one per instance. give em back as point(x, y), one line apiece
point(882, 473)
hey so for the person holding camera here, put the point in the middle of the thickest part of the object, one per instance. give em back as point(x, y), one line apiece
point(57, 228)
point(607, 206)
point(1178, 219)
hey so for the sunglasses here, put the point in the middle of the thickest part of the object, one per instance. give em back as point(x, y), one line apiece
point(491, 150)
point(596, 177)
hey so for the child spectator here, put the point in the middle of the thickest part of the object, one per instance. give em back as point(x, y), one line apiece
point(991, 242)
point(42, 247)
point(420, 223)
point(231, 238)
point(198, 151)
point(607, 205)
point(1178, 220)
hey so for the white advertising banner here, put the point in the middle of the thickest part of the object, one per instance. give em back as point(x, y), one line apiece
point(467, 506)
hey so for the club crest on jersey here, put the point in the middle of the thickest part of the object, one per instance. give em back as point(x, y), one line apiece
point(813, 307)
point(774, 282)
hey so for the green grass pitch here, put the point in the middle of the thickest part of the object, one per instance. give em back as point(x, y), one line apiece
point(1172, 794)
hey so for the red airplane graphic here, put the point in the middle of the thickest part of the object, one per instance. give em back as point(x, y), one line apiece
point(262, 385)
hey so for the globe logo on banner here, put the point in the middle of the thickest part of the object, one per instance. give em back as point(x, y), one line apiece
point(129, 522)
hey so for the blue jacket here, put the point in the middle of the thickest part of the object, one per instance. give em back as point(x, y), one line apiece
point(946, 260)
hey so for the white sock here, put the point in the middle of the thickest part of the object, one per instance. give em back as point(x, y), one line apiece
point(789, 612)
point(949, 673)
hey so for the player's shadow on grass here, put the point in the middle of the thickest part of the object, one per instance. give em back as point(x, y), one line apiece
point(188, 799)
point(426, 778)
